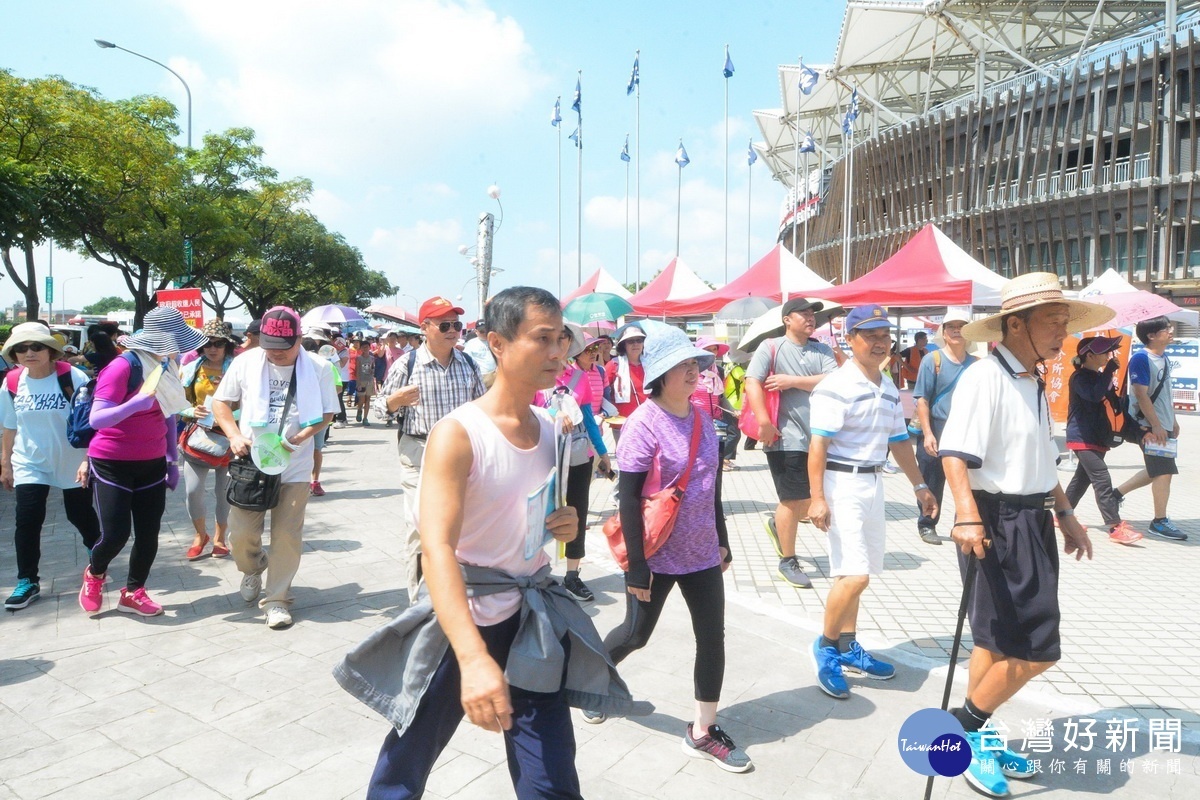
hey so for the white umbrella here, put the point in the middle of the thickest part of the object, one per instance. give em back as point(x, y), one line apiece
point(332, 314)
point(770, 324)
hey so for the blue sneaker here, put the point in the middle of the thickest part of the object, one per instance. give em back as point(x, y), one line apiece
point(1167, 529)
point(26, 592)
point(985, 773)
point(859, 662)
point(828, 664)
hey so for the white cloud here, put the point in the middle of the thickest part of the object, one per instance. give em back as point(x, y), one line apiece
point(418, 65)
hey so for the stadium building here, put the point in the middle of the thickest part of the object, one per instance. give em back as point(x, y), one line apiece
point(1055, 136)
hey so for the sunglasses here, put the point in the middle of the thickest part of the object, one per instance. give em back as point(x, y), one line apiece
point(445, 327)
point(33, 347)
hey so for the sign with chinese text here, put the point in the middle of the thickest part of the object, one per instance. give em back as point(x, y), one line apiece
point(188, 301)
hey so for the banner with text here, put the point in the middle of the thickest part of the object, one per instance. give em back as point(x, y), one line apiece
point(188, 301)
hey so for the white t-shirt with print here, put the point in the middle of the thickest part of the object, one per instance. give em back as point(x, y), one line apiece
point(38, 413)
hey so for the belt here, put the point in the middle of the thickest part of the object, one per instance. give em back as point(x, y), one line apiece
point(1035, 501)
point(838, 467)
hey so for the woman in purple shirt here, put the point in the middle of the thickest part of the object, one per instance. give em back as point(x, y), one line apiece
point(657, 440)
point(133, 454)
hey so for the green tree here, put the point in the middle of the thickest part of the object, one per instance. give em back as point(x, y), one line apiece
point(107, 304)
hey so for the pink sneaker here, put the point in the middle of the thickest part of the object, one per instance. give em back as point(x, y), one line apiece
point(315, 489)
point(91, 596)
point(138, 603)
point(1123, 533)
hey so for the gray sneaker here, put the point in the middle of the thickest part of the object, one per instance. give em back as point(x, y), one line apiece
point(789, 570)
point(929, 534)
point(772, 533)
point(251, 587)
point(594, 717)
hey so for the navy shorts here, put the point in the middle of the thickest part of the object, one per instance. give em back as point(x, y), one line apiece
point(789, 470)
point(1014, 609)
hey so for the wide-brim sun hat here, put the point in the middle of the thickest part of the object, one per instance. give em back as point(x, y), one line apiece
point(631, 332)
point(31, 333)
point(708, 341)
point(1031, 290)
point(164, 331)
point(578, 342)
point(667, 347)
point(218, 329)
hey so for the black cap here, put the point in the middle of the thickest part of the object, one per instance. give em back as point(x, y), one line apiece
point(254, 327)
point(801, 304)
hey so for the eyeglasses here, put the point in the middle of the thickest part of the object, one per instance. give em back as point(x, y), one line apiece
point(33, 347)
point(445, 327)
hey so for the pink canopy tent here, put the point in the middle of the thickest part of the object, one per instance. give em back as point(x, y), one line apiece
point(675, 283)
point(772, 276)
point(599, 281)
point(929, 270)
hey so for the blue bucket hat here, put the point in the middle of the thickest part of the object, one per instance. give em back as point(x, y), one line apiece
point(666, 347)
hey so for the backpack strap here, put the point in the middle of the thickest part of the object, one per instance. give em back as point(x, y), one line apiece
point(693, 450)
point(66, 383)
point(13, 378)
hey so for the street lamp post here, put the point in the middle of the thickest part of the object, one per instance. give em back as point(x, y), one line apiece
point(110, 46)
point(64, 290)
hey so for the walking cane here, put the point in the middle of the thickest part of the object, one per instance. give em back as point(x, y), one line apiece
point(968, 585)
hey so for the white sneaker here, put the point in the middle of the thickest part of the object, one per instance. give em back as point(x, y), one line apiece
point(278, 617)
point(251, 587)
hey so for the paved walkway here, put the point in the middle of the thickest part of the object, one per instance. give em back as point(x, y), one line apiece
point(206, 702)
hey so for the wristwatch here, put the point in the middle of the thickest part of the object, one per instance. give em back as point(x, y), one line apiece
point(920, 486)
point(1064, 512)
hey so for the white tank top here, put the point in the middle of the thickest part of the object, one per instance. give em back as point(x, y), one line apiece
point(501, 478)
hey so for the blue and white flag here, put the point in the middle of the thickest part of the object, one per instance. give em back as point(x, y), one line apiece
point(576, 106)
point(728, 71)
point(808, 79)
point(556, 116)
point(635, 77)
point(851, 114)
point(751, 156)
point(577, 138)
point(807, 144)
point(681, 156)
point(625, 149)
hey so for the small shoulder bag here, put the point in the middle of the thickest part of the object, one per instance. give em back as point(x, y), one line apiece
point(249, 487)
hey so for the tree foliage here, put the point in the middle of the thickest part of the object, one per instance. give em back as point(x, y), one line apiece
point(106, 178)
point(107, 304)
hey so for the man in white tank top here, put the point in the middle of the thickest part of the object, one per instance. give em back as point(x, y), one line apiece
point(482, 463)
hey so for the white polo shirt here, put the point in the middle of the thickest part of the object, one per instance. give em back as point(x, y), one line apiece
point(859, 418)
point(1000, 425)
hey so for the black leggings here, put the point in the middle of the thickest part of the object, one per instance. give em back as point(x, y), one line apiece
point(704, 593)
point(579, 485)
point(128, 494)
point(31, 515)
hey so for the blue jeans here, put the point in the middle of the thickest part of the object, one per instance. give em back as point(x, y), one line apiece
point(540, 745)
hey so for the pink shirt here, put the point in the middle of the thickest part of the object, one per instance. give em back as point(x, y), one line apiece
point(142, 436)
point(597, 382)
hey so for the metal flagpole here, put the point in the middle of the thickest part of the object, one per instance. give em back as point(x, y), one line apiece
point(749, 198)
point(559, 126)
point(806, 214)
point(627, 208)
point(637, 56)
point(726, 251)
point(796, 159)
point(579, 200)
point(848, 137)
point(678, 202)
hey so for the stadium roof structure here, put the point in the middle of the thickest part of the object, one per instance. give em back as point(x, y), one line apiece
point(908, 58)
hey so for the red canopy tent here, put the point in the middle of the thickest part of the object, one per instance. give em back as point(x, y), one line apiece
point(929, 270)
point(676, 282)
point(774, 274)
point(599, 281)
point(395, 313)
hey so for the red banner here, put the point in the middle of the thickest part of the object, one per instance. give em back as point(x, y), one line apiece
point(188, 301)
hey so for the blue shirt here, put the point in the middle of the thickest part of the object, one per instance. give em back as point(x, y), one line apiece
point(936, 374)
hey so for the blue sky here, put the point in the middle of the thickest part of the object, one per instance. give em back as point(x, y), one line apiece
point(403, 113)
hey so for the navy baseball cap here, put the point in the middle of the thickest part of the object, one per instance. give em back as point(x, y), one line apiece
point(866, 317)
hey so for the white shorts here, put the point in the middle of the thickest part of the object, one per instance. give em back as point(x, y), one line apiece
point(857, 523)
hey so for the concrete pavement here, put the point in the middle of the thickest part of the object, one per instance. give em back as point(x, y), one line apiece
point(206, 702)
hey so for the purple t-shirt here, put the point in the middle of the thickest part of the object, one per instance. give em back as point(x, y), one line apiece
point(650, 432)
point(141, 436)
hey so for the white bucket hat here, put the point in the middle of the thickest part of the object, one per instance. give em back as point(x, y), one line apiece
point(31, 333)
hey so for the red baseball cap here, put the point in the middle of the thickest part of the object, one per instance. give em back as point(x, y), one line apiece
point(438, 307)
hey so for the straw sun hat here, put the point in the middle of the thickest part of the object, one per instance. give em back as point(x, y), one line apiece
point(1030, 291)
point(31, 333)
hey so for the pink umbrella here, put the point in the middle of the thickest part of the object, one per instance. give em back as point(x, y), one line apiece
point(1134, 307)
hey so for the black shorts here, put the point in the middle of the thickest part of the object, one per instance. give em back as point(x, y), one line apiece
point(1159, 465)
point(789, 470)
point(1014, 608)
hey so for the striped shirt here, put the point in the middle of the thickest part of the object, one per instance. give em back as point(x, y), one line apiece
point(443, 389)
point(859, 418)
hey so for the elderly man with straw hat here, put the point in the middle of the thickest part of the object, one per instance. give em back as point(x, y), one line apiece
point(999, 455)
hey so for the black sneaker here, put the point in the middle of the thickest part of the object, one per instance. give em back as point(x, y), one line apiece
point(929, 534)
point(26, 592)
point(577, 588)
